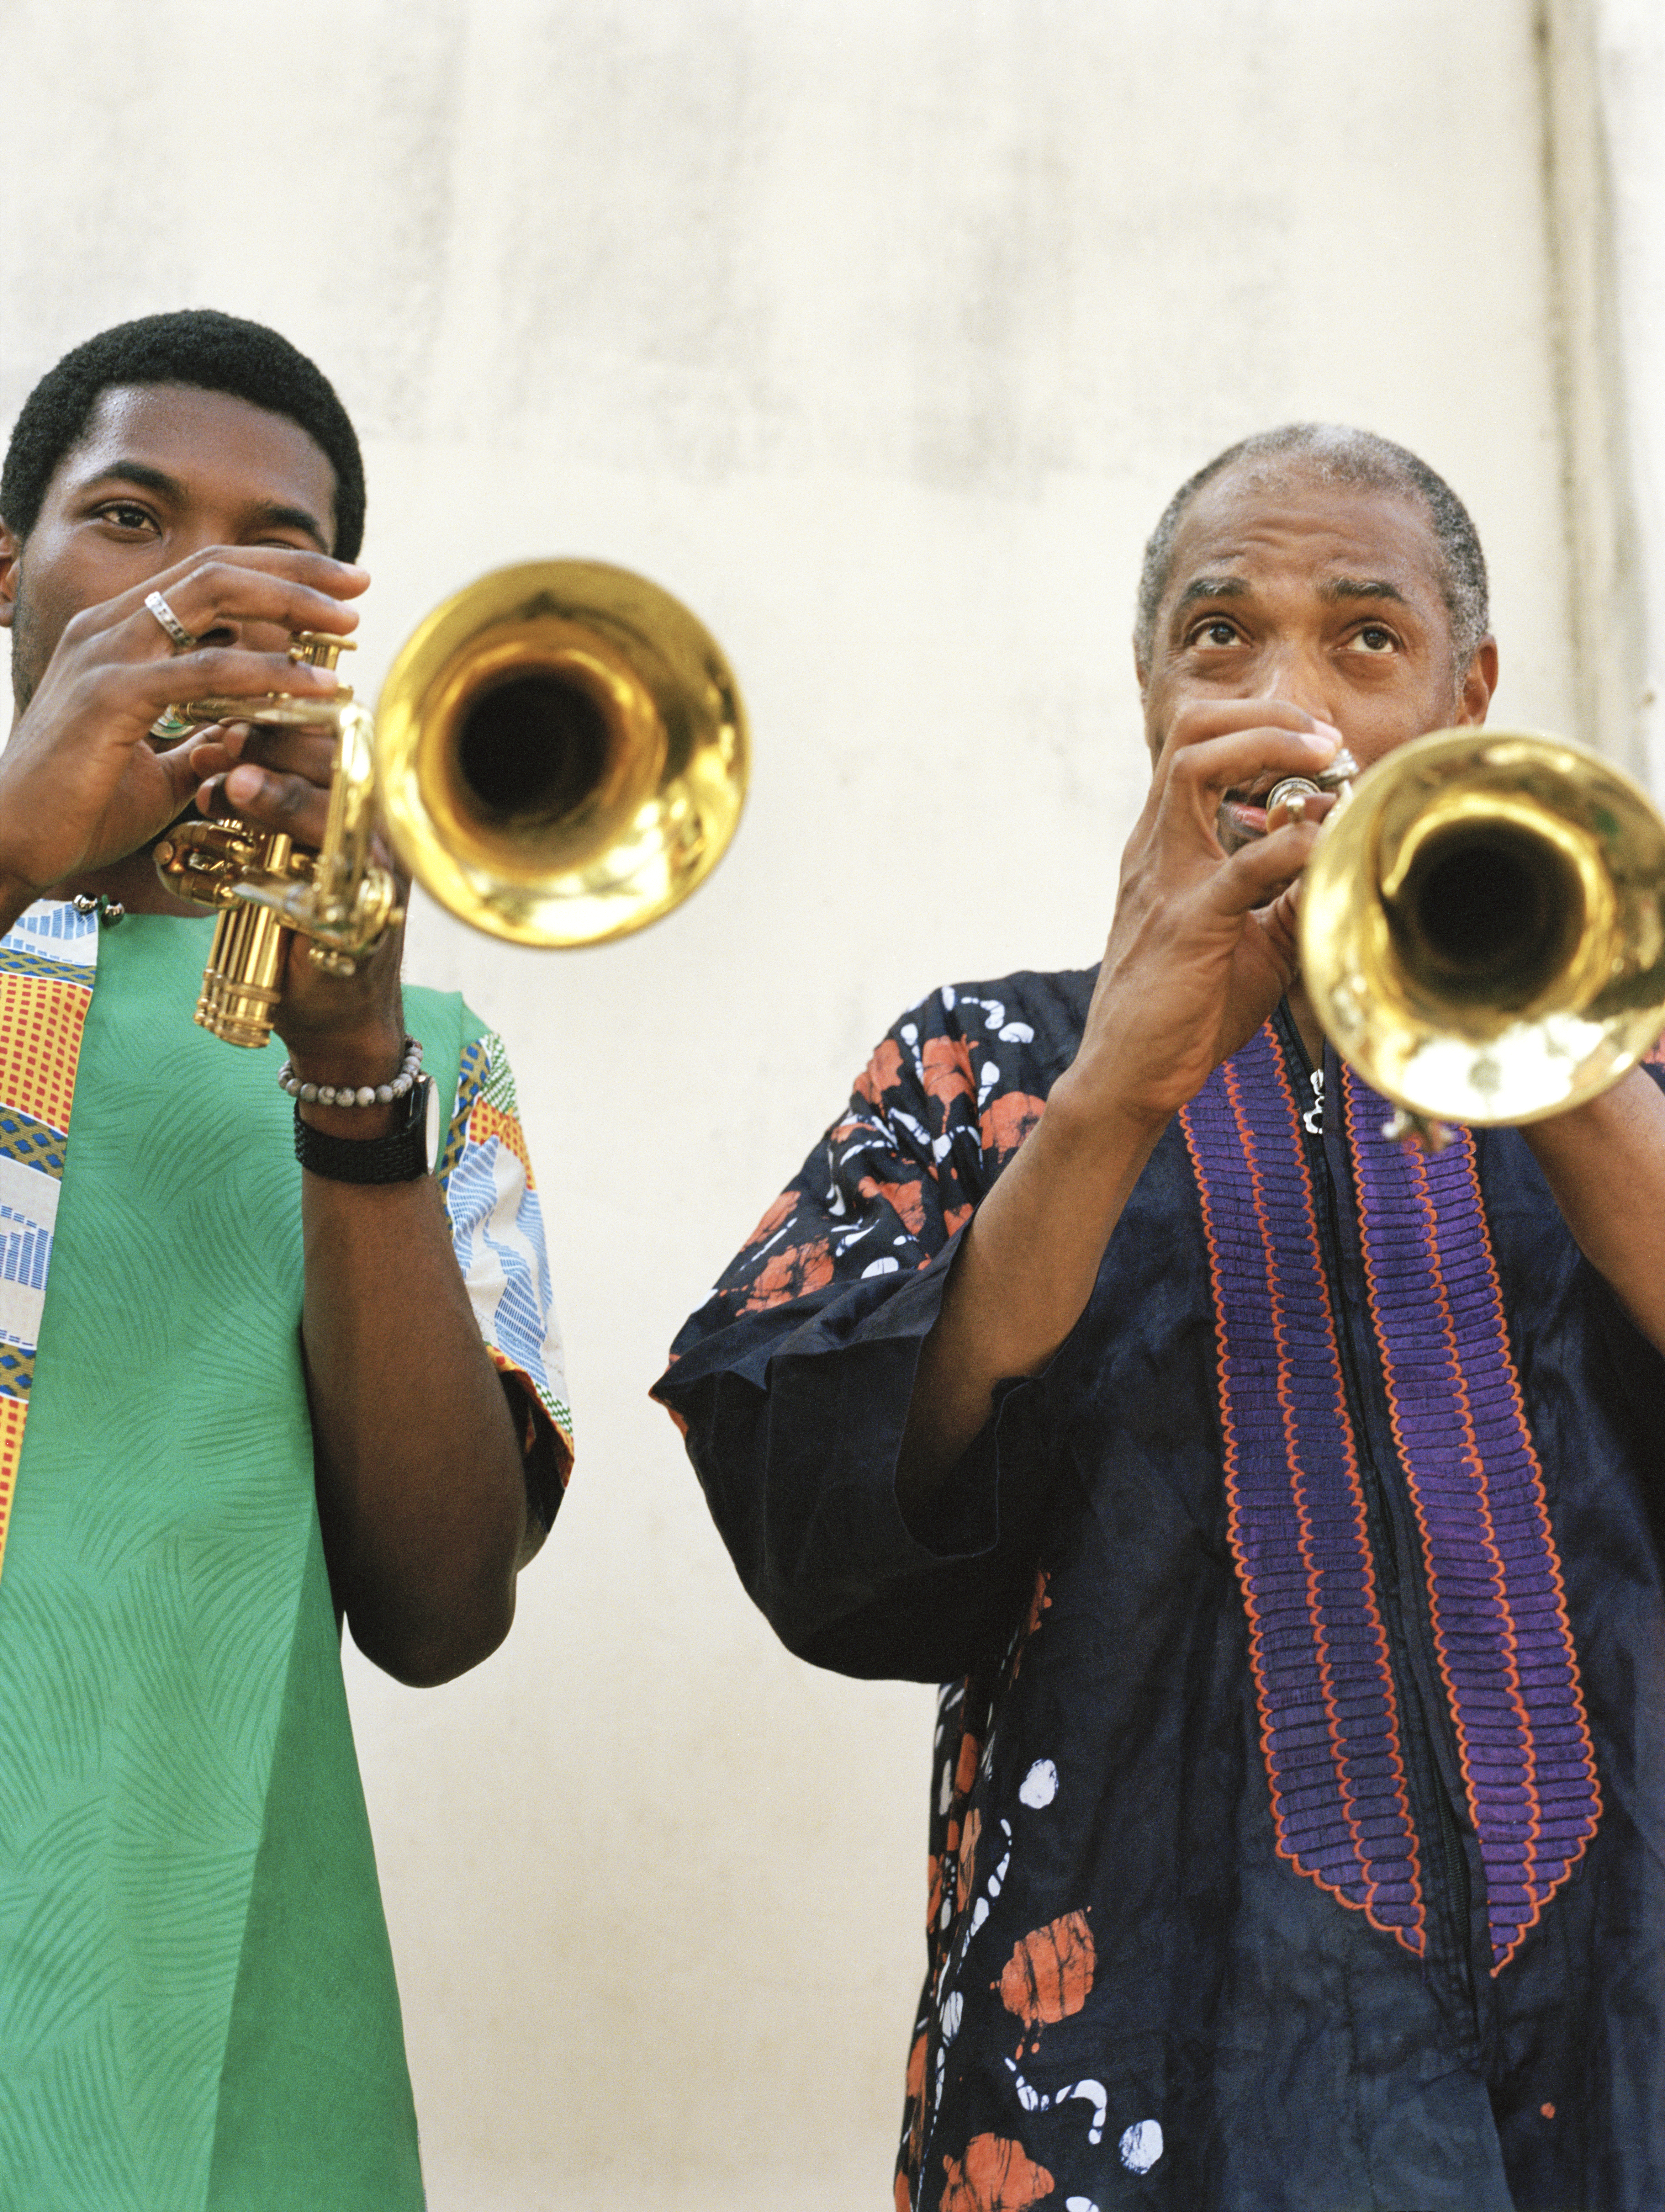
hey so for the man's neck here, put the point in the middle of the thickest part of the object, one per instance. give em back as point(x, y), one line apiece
point(1311, 1031)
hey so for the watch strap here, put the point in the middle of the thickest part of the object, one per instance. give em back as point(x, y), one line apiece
point(399, 1157)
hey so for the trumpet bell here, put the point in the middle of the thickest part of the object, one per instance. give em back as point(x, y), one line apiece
point(561, 753)
point(1483, 926)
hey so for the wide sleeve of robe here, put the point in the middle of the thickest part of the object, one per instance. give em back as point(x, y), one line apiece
point(792, 1380)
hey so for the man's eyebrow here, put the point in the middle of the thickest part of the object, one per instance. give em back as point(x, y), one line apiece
point(137, 472)
point(273, 516)
point(1211, 587)
point(1362, 587)
point(269, 514)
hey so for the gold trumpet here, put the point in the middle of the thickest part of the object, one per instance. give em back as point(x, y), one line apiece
point(560, 757)
point(1483, 927)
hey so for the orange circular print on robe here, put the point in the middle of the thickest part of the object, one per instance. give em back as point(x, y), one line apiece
point(1050, 1973)
point(994, 2176)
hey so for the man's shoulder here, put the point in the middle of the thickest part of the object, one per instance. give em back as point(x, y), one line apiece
point(982, 1055)
point(1029, 1005)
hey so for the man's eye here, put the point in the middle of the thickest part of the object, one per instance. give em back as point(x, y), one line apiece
point(1215, 632)
point(1376, 639)
point(126, 515)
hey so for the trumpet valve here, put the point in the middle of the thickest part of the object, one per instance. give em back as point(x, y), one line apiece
point(1292, 794)
point(318, 648)
point(1294, 791)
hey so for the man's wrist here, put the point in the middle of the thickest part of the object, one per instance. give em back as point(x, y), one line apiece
point(349, 1061)
point(399, 1156)
point(1098, 1128)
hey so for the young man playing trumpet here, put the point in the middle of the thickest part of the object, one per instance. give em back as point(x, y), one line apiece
point(263, 1363)
point(1283, 1507)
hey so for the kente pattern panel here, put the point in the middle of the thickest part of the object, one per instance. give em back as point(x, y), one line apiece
point(48, 959)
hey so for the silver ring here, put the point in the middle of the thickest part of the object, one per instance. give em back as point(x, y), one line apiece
point(170, 622)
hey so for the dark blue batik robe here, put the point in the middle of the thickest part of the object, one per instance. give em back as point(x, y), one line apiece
point(1298, 1819)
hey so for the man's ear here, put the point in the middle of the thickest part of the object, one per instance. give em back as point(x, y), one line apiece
point(11, 552)
point(1475, 695)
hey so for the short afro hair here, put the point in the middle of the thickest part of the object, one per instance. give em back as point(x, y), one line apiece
point(197, 346)
point(1337, 454)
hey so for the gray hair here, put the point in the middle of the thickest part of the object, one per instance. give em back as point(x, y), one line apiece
point(1337, 454)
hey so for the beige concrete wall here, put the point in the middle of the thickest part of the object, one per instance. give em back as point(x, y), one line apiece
point(1628, 129)
point(880, 330)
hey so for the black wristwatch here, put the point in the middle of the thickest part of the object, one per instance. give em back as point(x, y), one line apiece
point(399, 1157)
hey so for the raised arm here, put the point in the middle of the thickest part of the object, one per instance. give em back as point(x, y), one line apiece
point(1604, 1163)
point(422, 1486)
point(1201, 949)
point(945, 1238)
point(419, 1476)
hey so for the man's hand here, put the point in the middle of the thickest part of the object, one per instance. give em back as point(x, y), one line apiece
point(79, 787)
point(1203, 944)
point(338, 1028)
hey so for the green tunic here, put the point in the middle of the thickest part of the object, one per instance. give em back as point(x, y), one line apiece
point(197, 2006)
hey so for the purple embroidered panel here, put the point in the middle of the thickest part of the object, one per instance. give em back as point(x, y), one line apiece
point(1329, 1723)
point(1496, 1593)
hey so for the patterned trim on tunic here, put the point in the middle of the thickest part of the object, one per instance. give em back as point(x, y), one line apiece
point(1329, 1725)
point(1329, 1716)
point(48, 959)
point(1496, 1595)
point(497, 1233)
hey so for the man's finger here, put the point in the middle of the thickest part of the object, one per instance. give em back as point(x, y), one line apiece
point(217, 747)
point(178, 766)
point(291, 803)
point(1199, 720)
point(226, 671)
point(1304, 807)
point(315, 572)
point(1205, 771)
point(220, 590)
point(308, 753)
point(1255, 876)
point(1281, 922)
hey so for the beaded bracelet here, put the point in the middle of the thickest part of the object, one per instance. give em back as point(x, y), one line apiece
point(366, 1094)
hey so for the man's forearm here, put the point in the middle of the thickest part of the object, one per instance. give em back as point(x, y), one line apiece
point(1020, 1282)
point(1604, 1163)
point(1201, 947)
point(421, 1489)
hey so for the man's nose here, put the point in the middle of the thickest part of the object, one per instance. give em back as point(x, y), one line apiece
point(1299, 678)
